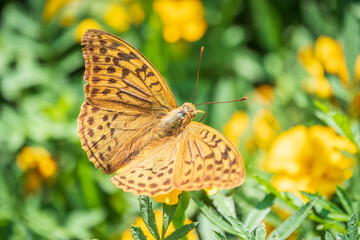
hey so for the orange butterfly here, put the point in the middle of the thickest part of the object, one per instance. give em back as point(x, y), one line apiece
point(130, 124)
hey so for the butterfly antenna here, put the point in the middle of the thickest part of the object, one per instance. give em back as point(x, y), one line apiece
point(237, 100)
point(197, 79)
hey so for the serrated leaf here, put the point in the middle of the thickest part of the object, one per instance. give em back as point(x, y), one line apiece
point(238, 226)
point(328, 236)
point(344, 199)
point(137, 233)
point(148, 215)
point(214, 217)
point(219, 236)
point(340, 236)
point(353, 233)
point(260, 232)
point(181, 232)
point(168, 213)
point(259, 213)
point(322, 202)
point(290, 225)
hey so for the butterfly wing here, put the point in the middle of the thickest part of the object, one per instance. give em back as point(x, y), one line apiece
point(151, 172)
point(120, 77)
point(125, 98)
point(208, 159)
point(199, 157)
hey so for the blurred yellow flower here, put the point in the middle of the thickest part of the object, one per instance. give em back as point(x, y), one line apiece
point(318, 85)
point(310, 159)
point(181, 19)
point(158, 219)
point(265, 128)
point(236, 126)
point(52, 7)
point(331, 55)
point(117, 17)
point(38, 165)
point(264, 94)
point(327, 55)
point(86, 24)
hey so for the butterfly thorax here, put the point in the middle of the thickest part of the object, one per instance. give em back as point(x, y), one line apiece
point(176, 120)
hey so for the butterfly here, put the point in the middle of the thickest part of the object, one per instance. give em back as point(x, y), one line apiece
point(130, 124)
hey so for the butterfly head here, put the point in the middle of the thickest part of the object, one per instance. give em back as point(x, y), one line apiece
point(189, 110)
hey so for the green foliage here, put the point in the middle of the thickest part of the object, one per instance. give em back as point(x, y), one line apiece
point(248, 44)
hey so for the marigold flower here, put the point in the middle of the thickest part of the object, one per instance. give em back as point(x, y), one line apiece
point(310, 159)
point(236, 126)
point(86, 24)
point(158, 219)
point(38, 164)
point(181, 19)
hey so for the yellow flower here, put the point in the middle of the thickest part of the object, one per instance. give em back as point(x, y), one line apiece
point(331, 55)
point(38, 164)
point(158, 219)
point(181, 19)
point(117, 17)
point(86, 24)
point(265, 128)
point(327, 55)
point(318, 85)
point(52, 7)
point(236, 126)
point(310, 159)
point(264, 94)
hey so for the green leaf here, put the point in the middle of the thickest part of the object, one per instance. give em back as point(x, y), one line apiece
point(219, 236)
point(344, 199)
point(351, 38)
point(290, 225)
point(259, 213)
point(340, 236)
point(168, 213)
point(225, 203)
point(179, 216)
point(213, 217)
point(322, 202)
point(260, 232)
point(322, 107)
point(137, 233)
point(181, 232)
point(148, 216)
point(353, 233)
point(238, 226)
point(328, 236)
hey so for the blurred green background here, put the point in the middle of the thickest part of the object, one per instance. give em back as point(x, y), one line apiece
point(48, 188)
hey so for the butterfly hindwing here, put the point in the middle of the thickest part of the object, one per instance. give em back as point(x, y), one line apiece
point(208, 159)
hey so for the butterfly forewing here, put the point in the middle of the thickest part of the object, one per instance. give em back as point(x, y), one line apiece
point(120, 77)
point(125, 98)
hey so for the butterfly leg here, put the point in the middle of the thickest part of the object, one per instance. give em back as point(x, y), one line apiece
point(203, 112)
